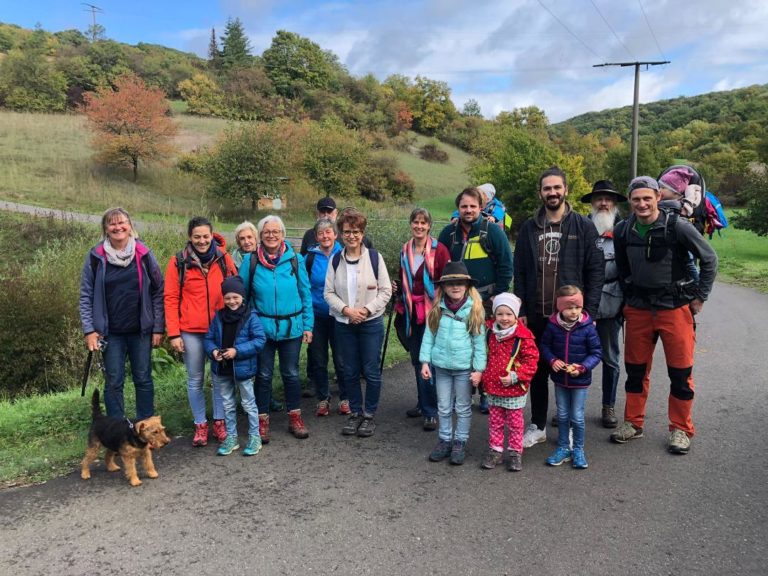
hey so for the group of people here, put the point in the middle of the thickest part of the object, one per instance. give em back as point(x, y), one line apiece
point(577, 281)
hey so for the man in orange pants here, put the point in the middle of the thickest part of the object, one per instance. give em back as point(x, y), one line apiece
point(661, 300)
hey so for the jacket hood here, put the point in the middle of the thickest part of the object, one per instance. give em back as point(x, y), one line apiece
point(540, 216)
point(220, 240)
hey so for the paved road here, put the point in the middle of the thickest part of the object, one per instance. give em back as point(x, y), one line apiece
point(335, 505)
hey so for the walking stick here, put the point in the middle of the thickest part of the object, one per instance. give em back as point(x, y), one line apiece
point(386, 336)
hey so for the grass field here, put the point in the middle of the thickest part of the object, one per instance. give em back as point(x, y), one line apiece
point(743, 257)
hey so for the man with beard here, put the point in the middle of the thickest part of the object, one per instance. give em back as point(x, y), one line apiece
point(605, 213)
point(554, 248)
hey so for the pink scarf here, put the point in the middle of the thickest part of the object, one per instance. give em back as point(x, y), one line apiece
point(266, 260)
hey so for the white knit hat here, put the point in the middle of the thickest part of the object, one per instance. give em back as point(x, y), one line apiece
point(509, 300)
point(488, 191)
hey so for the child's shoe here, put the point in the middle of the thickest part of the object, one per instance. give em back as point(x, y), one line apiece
point(492, 458)
point(579, 459)
point(253, 447)
point(264, 428)
point(559, 456)
point(220, 430)
point(441, 451)
point(323, 408)
point(228, 446)
point(201, 435)
point(458, 452)
point(515, 462)
point(344, 408)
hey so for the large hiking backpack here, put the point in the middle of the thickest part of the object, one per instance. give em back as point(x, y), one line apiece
point(715, 215)
point(482, 238)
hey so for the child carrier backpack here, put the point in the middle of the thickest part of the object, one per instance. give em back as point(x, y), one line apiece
point(715, 215)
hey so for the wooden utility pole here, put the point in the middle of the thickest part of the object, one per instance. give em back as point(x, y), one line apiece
point(93, 10)
point(635, 105)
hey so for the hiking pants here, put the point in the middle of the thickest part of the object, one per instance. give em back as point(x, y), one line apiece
point(675, 328)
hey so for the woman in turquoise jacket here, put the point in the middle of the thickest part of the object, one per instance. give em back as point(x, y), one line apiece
point(278, 288)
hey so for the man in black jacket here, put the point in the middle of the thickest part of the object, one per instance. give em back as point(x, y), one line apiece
point(555, 248)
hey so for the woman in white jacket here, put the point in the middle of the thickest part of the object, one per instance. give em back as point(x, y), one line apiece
point(357, 289)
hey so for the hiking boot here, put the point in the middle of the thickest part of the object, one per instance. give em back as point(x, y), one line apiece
point(323, 408)
point(353, 423)
point(483, 407)
point(533, 436)
point(253, 446)
point(492, 458)
point(625, 433)
point(344, 408)
point(515, 462)
point(441, 451)
point(228, 446)
point(430, 424)
point(296, 424)
point(579, 459)
point(367, 427)
point(679, 442)
point(609, 417)
point(413, 412)
point(220, 430)
point(458, 452)
point(201, 435)
point(559, 456)
point(264, 428)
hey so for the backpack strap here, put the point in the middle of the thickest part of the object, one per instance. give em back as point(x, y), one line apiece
point(309, 261)
point(372, 254)
point(254, 260)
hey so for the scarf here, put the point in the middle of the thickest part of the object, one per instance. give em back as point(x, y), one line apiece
point(270, 262)
point(121, 258)
point(229, 316)
point(503, 333)
point(567, 326)
point(423, 302)
point(203, 258)
point(454, 307)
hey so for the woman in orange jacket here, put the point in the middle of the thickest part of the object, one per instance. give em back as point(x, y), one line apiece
point(192, 296)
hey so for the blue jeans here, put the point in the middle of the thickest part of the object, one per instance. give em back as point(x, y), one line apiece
point(425, 389)
point(453, 392)
point(194, 360)
point(323, 334)
point(226, 385)
point(360, 351)
point(288, 353)
point(138, 348)
point(570, 408)
point(608, 330)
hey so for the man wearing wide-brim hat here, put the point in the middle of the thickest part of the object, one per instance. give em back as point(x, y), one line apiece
point(605, 199)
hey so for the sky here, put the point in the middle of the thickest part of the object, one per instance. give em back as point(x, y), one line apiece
point(504, 54)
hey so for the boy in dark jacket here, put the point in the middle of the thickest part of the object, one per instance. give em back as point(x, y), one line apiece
point(234, 338)
point(571, 346)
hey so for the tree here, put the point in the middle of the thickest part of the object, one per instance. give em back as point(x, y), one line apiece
point(295, 64)
point(755, 191)
point(131, 123)
point(214, 53)
point(333, 159)
point(235, 46)
point(203, 96)
point(432, 106)
point(29, 82)
point(471, 108)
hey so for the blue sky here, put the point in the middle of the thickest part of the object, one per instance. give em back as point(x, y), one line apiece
point(503, 53)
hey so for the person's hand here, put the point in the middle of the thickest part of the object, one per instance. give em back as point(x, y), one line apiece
point(558, 365)
point(394, 287)
point(356, 315)
point(217, 355)
point(492, 219)
point(506, 380)
point(574, 369)
point(92, 341)
point(157, 339)
point(475, 378)
point(454, 220)
point(306, 337)
point(696, 306)
point(228, 353)
point(523, 320)
point(177, 344)
point(426, 373)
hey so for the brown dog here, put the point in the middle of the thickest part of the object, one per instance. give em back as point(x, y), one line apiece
point(121, 436)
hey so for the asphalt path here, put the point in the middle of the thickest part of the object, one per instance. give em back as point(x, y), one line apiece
point(337, 505)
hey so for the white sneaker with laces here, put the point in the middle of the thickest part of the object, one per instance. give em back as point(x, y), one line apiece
point(533, 436)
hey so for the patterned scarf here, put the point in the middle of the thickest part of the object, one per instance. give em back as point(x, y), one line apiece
point(503, 333)
point(407, 264)
point(270, 262)
point(121, 258)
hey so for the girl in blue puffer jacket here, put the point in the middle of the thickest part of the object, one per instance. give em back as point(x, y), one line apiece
point(571, 346)
point(233, 341)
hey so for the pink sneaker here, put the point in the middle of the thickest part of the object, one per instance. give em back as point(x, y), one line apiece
point(344, 408)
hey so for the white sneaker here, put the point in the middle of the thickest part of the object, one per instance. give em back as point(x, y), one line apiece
point(533, 436)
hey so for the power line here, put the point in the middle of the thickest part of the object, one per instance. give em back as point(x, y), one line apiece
point(611, 29)
point(93, 9)
point(647, 22)
point(568, 29)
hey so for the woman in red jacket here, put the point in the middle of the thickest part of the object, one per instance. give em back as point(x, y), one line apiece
point(192, 296)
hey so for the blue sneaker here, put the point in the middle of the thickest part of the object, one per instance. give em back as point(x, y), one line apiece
point(559, 456)
point(253, 447)
point(579, 459)
point(228, 446)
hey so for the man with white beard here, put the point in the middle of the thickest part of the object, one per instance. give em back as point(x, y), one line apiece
point(605, 214)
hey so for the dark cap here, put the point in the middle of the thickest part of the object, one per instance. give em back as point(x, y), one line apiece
point(326, 204)
point(603, 187)
point(642, 182)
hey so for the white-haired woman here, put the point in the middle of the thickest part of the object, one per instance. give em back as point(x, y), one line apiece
point(246, 240)
point(277, 286)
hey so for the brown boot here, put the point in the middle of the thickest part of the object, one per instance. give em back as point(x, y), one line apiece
point(296, 424)
point(264, 428)
point(609, 417)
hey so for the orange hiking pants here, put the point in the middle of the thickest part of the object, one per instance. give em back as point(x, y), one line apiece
point(642, 330)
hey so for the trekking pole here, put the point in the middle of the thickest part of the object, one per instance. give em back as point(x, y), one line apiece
point(386, 336)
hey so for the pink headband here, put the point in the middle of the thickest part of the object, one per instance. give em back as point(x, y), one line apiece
point(564, 302)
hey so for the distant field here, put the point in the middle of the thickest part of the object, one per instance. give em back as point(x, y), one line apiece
point(743, 257)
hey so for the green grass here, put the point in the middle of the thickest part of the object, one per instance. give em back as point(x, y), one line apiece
point(743, 257)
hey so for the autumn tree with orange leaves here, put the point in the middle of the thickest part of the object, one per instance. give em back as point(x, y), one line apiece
point(131, 123)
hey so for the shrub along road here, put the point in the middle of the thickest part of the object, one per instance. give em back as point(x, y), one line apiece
point(332, 504)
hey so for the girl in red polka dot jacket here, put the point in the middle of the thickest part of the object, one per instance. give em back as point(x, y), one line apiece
point(512, 361)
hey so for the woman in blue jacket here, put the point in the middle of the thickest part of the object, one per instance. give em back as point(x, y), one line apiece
point(277, 287)
point(121, 310)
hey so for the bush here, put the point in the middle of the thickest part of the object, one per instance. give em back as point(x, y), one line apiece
point(431, 153)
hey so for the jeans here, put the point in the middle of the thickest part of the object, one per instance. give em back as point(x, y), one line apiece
point(138, 348)
point(194, 360)
point(608, 330)
point(226, 385)
point(288, 353)
point(323, 334)
point(425, 389)
point(570, 408)
point(453, 392)
point(360, 351)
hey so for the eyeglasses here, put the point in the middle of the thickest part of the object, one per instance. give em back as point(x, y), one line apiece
point(352, 233)
point(271, 232)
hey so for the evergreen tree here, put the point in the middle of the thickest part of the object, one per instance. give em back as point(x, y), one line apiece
point(235, 46)
point(214, 54)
